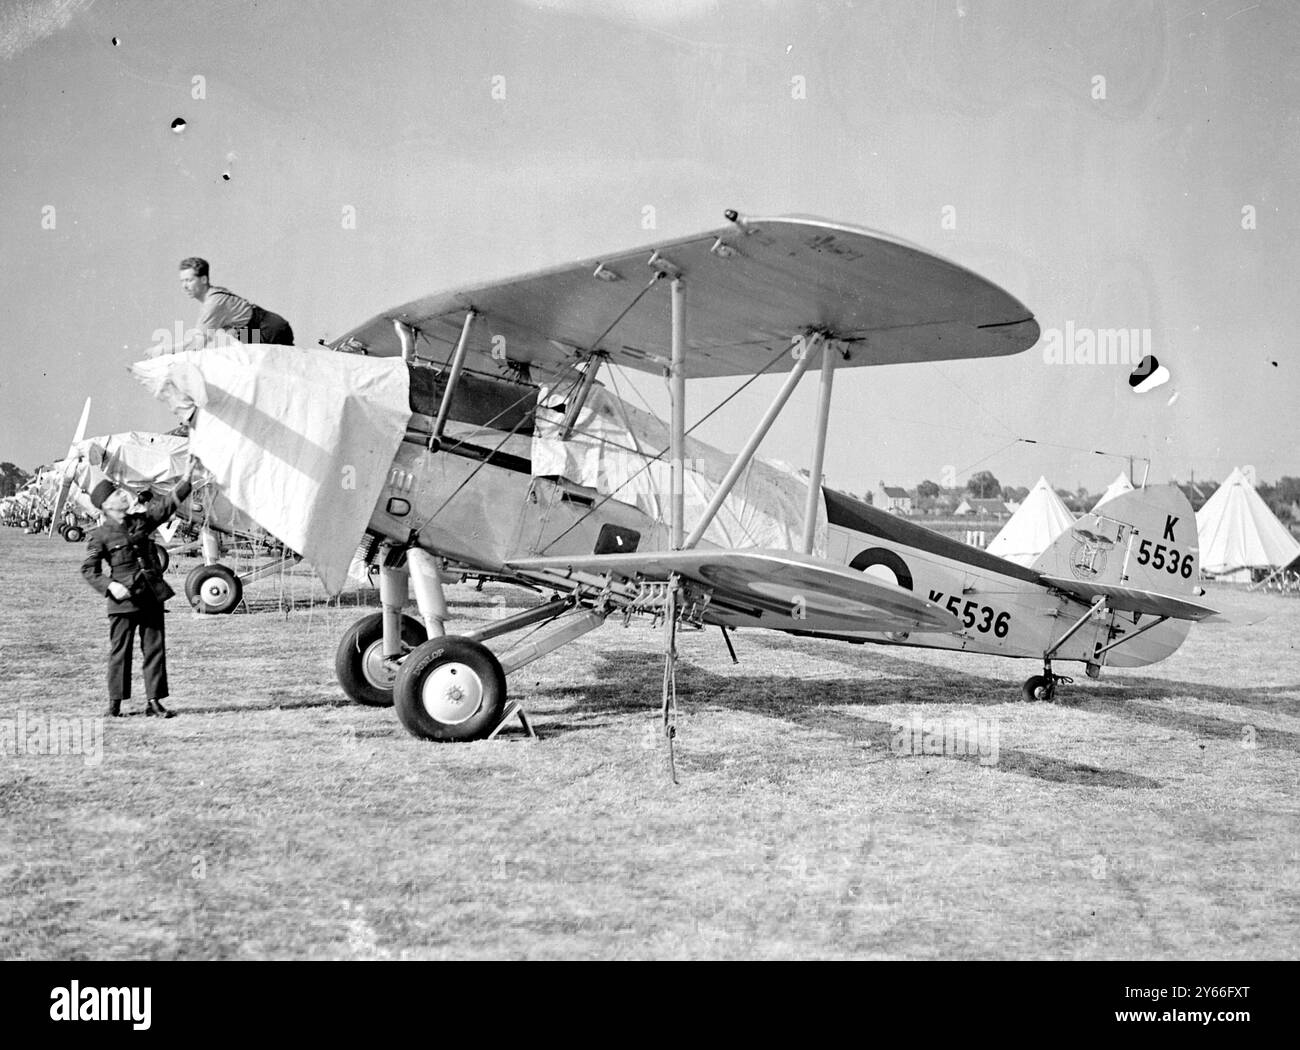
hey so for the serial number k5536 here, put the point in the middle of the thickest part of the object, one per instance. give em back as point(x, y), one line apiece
point(1157, 557)
point(975, 615)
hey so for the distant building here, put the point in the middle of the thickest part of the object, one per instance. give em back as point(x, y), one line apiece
point(946, 503)
point(1198, 492)
point(889, 497)
point(982, 508)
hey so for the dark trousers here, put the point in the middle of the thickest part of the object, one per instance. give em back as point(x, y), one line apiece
point(269, 328)
point(275, 330)
point(121, 640)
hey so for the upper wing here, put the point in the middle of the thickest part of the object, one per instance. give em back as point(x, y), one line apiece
point(1133, 599)
point(749, 290)
point(777, 589)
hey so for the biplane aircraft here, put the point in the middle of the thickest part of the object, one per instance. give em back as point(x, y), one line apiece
point(33, 504)
point(471, 431)
point(141, 462)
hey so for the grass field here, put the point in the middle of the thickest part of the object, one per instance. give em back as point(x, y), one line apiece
point(1152, 814)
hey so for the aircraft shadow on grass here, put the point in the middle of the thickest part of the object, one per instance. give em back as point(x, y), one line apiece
point(1129, 697)
point(261, 706)
point(629, 680)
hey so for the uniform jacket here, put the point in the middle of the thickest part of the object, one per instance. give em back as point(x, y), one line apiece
point(128, 550)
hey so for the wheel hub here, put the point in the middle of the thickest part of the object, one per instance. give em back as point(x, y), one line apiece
point(378, 672)
point(452, 693)
point(215, 591)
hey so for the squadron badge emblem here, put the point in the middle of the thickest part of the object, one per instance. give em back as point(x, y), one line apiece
point(1089, 553)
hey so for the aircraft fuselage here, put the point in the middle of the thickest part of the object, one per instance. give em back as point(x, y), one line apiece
point(483, 509)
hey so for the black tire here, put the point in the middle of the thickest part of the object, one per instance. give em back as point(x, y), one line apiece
point(73, 533)
point(164, 559)
point(213, 589)
point(434, 667)
point(1036, 683)
point(358, 663)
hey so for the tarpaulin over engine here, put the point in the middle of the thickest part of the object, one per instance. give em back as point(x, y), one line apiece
point(301, 440)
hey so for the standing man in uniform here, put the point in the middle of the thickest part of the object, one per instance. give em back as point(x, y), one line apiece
point(222, 309)
point(134, 586)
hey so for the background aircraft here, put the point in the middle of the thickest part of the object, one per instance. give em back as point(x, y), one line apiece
point(141, 461)
point(32, 506)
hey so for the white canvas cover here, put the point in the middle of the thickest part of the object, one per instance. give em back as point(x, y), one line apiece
point(299, 439)
point(1237, 531)
point(40, 492)
point(612, 450)
point(1118, 487)
point(135, 459)
point(139, 460)
point(47, 486)
point(1031, 529)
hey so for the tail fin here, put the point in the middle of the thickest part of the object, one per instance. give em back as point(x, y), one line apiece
point(1143, 540)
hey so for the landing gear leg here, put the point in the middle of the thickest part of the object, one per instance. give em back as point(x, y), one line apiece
point(210, 544)
point(426, 578)
point(394, 589)
point(1043, 686)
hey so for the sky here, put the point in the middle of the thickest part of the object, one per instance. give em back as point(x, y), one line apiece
point(1114, 165)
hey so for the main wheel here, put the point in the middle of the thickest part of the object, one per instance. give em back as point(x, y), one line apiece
point(359, 663)
point(164, 559)
point(450, 689)
point(73, 533)
point(1038, 687)
point(213, 589)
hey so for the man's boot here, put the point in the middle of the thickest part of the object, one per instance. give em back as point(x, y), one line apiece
point(114, 709)
point(156, 708)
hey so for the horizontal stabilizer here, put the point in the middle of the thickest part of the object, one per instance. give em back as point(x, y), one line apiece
point(785, 590)
point(1131, 599)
